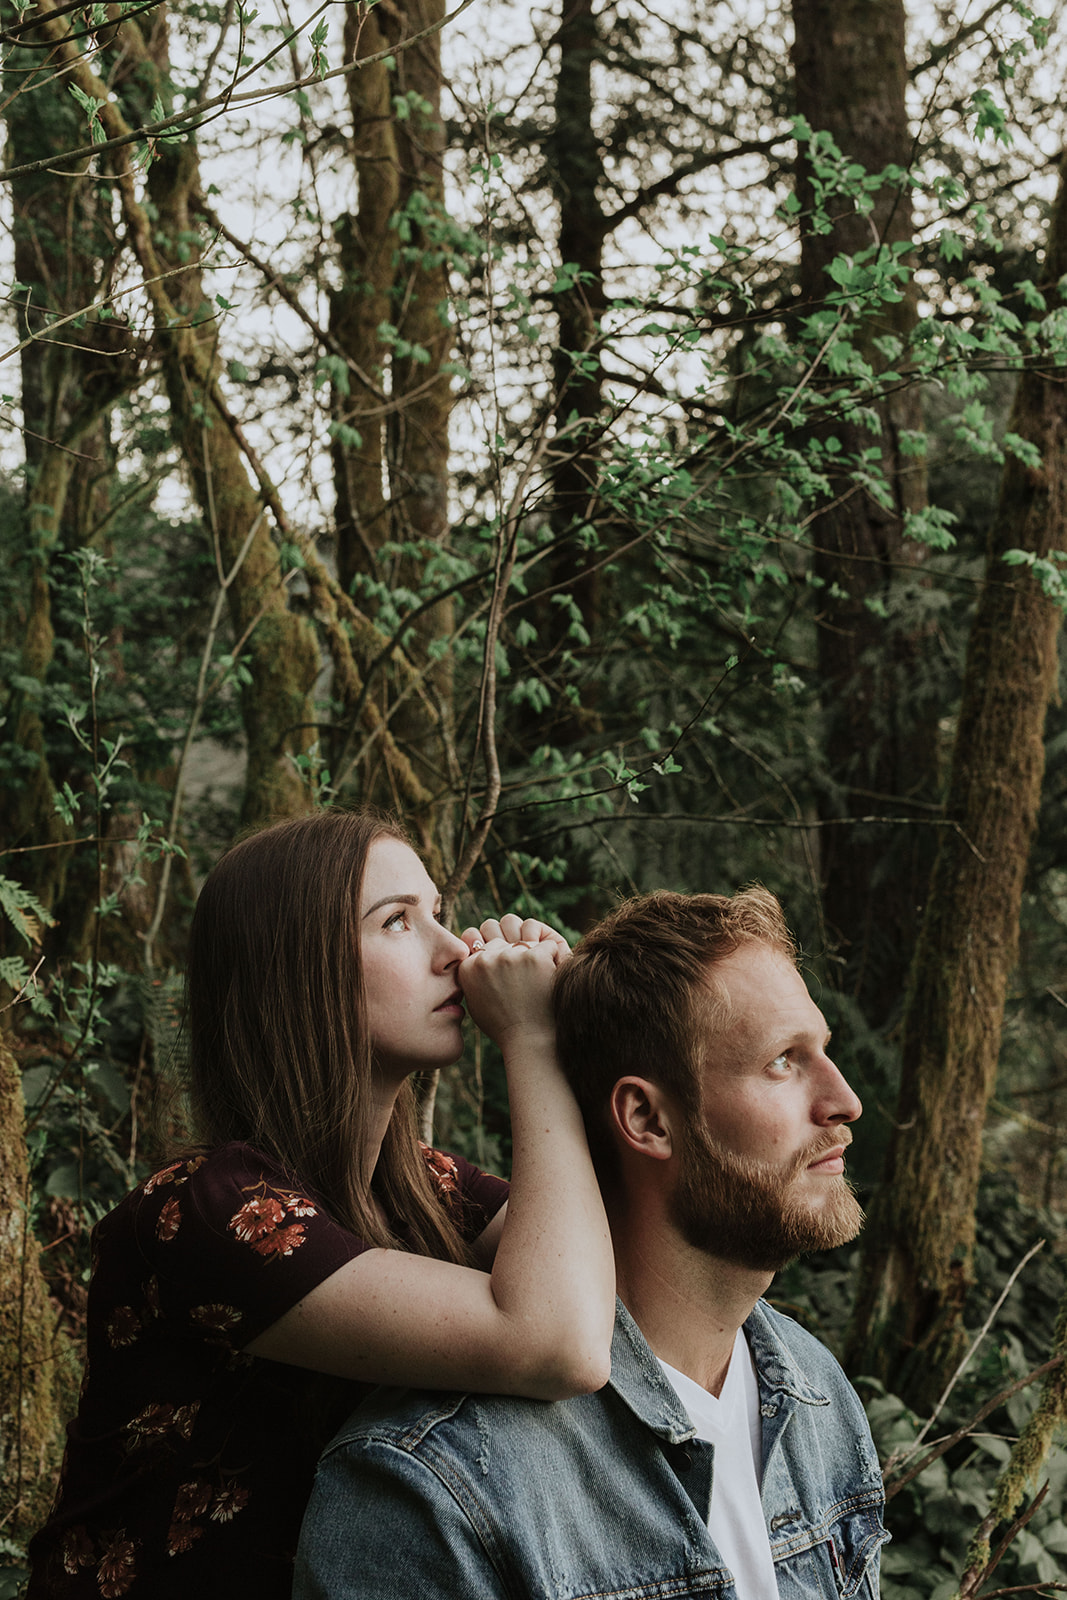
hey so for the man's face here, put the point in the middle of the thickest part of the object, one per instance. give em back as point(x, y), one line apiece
point(761, 1170)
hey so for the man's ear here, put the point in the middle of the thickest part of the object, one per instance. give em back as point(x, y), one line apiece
point(642, 1118)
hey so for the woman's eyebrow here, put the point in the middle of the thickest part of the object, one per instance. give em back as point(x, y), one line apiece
point(391, 900)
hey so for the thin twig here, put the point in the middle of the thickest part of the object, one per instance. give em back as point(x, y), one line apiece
point(894, 1484)
point(979, 1336)
point(973, 1579)
point(204, 690)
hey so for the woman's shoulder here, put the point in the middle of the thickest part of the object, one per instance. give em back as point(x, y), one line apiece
point(226, 1170)
point(224, 1240)
point(231, 1189)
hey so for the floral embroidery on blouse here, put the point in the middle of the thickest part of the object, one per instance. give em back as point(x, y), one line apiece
point(216, 1318)
point(259, 1221)
point(169, 1220)
point(221, 1471)
point(164, 1175)
point(77, 1550)
point(199, 1500)
point(116, 1571)
point(158, 1419)
point(442, 1169)
point(123, 1327)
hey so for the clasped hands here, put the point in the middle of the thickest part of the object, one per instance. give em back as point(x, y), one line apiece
point(507, 977)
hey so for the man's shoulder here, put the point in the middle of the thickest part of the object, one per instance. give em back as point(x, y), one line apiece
point(411, 1420)
point(398, 1417)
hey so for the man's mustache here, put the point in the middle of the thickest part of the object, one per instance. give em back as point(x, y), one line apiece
point(828, 1141)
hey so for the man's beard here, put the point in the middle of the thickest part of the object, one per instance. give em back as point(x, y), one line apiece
point(750, 1212)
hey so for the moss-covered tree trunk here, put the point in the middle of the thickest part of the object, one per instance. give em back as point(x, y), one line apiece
point(879, 721)
point(64, 252)
point(237, 501)
point(32, 1362)
point(362, 303)
point(392, 406)
point(917, 1259)
point(279, 647)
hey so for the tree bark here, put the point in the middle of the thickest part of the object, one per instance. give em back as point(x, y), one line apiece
point(65, 250)
point(578, 174)
point(392, 485)
point(917, 1264)
point(32, 1367)
point(879, 722)
point(364, 302)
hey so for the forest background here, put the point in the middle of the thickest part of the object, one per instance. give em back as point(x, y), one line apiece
point(633, 448)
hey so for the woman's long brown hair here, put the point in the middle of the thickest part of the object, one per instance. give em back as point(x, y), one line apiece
point(280, 1056)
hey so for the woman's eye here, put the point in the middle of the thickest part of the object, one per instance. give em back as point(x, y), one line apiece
point(397, 920)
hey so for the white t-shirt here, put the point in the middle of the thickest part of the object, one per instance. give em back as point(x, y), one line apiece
point(731, 1422)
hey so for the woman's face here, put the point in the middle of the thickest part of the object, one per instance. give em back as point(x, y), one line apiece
point(414, 1004)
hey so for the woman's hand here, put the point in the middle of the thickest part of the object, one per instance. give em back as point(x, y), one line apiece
point(514, 930)
point(507, 979)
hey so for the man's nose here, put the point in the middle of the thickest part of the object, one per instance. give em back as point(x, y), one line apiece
point(837, 1100)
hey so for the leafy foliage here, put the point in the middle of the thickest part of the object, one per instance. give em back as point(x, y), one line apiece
point(642, 652)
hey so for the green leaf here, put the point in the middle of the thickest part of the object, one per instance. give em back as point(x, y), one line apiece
point(13, 971)
point(951, 245)
point(931, 526)
point(989, 117)
point(24, 911)
point(348, 438)
point(1023, 450)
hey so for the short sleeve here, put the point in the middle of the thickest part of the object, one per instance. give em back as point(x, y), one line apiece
point(231, 1244)
point(474, 1196)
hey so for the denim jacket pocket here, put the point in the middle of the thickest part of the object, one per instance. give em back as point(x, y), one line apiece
point(840, 1558)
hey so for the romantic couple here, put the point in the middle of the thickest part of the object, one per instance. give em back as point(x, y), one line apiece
point(679, 1134)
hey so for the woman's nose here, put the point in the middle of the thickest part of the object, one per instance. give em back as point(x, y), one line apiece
point(450, 950)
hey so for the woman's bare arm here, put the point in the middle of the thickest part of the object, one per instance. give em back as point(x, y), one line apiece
point(540, 1322)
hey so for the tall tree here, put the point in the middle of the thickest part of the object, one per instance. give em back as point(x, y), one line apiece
point(917, 1264)
point(31, 1344)
point(880, 739)
point(392, 400)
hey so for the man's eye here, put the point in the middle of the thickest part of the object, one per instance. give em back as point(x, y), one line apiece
point(780, 1063)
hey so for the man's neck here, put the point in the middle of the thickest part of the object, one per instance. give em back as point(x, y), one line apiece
point(689, 1305)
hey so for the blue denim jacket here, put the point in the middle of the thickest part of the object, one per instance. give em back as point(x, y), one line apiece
point(471, 1497)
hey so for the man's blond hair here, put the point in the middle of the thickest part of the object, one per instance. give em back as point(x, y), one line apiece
point(638, 996)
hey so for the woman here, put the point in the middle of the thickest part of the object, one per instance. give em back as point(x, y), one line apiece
point(245, 1296)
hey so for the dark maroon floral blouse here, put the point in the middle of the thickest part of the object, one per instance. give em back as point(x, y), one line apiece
point(189, 1463)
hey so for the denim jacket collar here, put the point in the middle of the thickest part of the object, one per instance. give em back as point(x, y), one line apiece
point(639, 1381)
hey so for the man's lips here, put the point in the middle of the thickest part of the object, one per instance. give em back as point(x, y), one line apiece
point(829, 1157)
point(832, 1161)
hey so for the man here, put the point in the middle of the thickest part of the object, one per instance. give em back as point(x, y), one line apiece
point(728, 1455)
